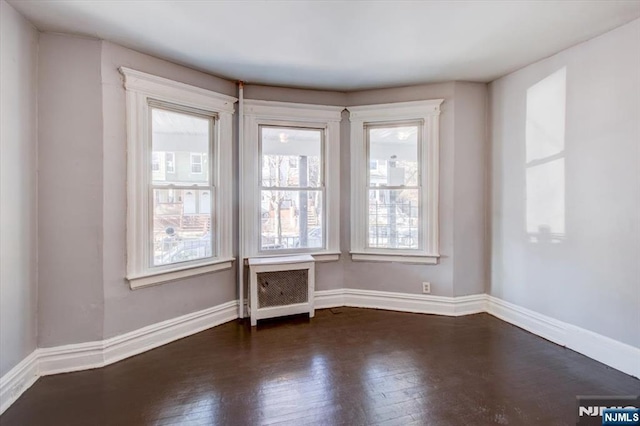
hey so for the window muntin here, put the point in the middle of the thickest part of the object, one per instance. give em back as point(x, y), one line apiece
point(393, 185)
point(291, 188)
point(181, 228)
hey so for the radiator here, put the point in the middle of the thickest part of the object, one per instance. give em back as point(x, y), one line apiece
point(280, 286)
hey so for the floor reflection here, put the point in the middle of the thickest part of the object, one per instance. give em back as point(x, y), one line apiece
point(286, 394)
point(394, 387)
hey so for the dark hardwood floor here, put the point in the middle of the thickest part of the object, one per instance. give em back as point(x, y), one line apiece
point(346, 366)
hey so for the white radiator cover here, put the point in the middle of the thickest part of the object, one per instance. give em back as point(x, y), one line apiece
point(281, 286)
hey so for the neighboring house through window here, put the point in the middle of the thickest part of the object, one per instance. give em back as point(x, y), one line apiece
point(196, 163)
point(170, 162)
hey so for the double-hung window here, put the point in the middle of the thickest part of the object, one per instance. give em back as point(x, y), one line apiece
point(179, 180)
point(394, 178)
point(291, 179)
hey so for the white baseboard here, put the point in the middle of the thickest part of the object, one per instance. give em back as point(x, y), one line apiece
point(324, 299)
point(403, 302)
point(545, 327)
point(17, 380)
point(417, 303)
point(84, 356)
point(613, 353)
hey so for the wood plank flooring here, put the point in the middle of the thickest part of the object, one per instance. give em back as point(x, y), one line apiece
point(347, 366)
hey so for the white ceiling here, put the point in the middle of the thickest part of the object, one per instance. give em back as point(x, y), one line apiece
point(344, 45)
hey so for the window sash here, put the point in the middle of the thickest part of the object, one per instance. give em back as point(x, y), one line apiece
point(321, 188)
point(368, 187)
point(321, 178)
point(210, 185)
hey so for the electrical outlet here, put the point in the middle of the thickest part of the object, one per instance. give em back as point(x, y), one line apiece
point(426, 287)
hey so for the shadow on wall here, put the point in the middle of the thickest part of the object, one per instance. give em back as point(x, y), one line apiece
point(545, 159)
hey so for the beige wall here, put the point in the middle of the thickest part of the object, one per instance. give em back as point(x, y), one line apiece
point(591, 276)
point(470, 189)
point(91, 285)
point(70, 299)
point(399, 277)
point(85, 296)
point(124, 309)
point(18, 200)
point(463, 145)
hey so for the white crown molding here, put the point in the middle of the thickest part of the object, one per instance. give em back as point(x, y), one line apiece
point(83, 356)
point(292, 111)
point(175, 91)
point(17, 380)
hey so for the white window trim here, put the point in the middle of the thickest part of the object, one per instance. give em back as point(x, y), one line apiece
point(140, 88)
point(258, 113)
point(428, 112)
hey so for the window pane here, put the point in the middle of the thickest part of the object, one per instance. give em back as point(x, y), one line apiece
point(170, 162)
point(287, 222)
point(181, 225)
point(183, 141)
point(393, 218)
point(291, 157)
point(394, 151)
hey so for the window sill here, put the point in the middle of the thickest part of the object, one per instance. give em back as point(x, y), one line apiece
point(319, 257)
point(421, 259)
point(176, 274)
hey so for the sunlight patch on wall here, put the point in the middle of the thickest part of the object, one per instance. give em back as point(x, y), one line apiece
point(545, 159)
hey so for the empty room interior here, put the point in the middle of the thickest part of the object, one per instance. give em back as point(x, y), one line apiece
point(320, 213)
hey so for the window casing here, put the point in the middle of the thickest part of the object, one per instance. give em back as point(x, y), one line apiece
point(394, 179)
point(290, 201)
point(178, 222)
